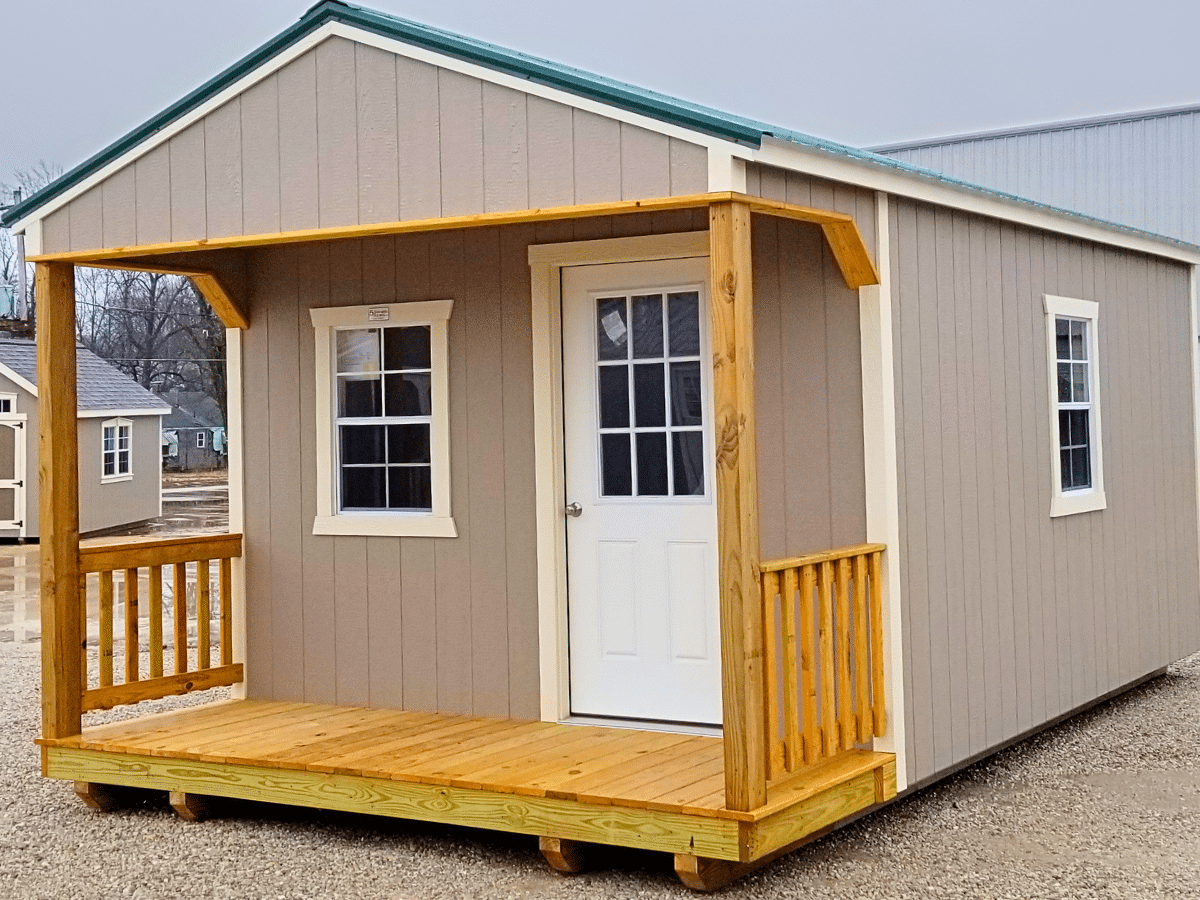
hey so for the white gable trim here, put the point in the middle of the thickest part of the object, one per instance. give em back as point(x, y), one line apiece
point(131, 412)
point(19, 380)
point(400, 48)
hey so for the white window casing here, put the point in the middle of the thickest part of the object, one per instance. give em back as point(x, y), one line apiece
point(330, 518)
point(1081, 367)
point(116, 450)
point(201, 440)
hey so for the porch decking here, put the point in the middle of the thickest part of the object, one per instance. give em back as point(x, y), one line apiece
point(643, 789)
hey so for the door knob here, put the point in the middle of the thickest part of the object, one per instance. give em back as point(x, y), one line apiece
point(574, 510)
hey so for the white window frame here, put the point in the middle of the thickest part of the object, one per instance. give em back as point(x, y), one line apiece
point(201, 441)
point(1066, 503)
point(118, 425)
point(11, 401)
point(438, 522)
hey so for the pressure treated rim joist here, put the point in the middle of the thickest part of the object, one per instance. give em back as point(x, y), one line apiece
point(840, 231)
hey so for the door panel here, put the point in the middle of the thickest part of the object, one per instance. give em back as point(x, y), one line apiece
point(642, 560)
point(12, 473)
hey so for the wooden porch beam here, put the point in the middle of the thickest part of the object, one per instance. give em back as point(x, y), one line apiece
point(231, 313)
point(58, 468)
point(731, 307)
point(840, 230)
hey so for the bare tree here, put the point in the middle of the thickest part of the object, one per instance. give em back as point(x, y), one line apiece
point(26, 182)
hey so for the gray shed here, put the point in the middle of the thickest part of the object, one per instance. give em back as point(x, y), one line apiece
point(120, 470)
point(611, 469)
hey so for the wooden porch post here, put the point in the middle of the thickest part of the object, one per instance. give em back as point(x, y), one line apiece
point(58, 467)
point(732, 315)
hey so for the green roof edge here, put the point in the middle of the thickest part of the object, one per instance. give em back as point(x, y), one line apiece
point(609, 91)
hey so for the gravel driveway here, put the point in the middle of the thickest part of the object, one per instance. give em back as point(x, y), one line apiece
point(1107, 805)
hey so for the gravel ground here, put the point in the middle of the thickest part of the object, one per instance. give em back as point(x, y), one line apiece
point(1105, 806)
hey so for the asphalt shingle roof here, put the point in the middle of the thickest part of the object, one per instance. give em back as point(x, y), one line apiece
point(100, 384)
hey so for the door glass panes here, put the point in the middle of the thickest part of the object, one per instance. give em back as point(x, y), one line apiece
point(651, 395)
point(384, 404)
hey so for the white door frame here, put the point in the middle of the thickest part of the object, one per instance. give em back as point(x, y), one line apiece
point(19, 422)
point(546, 262)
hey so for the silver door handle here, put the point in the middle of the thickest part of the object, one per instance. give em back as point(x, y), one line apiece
point(574, 510)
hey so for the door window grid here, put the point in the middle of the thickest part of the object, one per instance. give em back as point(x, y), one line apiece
point(1074, 402)
point(650, 393)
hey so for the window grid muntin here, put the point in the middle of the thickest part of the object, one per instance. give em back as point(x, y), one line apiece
point(1077, 357)
point(383, 420)
point(630, 362)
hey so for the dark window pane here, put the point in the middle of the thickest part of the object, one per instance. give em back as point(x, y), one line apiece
point(689, 462)
point(359, 397)
point(1064, 460)
point(1064, 428)
point(406, 348)
point(612, 329)
point(110, 463)
point(408, 443)
point(363, 488)
point(616, 465)
point(614, 396)
point(1064, 382)
point(1078, 341)
point(1081, 469)
point(687, 407)
point(362, 443)
point(647, 326)
point(1079, 427)
point(123, 461)
point(408, 395)
point(683, 313)
point(409, 487)
point(1062, 339)
point(652, 465)
point(1079, 388)
point(358, 350)
point(650, 402)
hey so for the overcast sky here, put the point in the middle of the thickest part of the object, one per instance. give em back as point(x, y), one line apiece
point(78, 74)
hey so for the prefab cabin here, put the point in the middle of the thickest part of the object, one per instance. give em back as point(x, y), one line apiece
point(609, 469)
point(120, 469)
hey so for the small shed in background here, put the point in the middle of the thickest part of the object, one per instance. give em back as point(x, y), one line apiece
point(193, 434)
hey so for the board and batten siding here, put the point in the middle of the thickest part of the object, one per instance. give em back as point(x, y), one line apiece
point(1138, 170)
point(350, 134)
point(451, 624)
point(1012, 618)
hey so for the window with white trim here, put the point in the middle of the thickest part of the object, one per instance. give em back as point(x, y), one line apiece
point(201, 440)
point(1076, 463)
point(8, 403)
point(116, 450)
point(383, 457)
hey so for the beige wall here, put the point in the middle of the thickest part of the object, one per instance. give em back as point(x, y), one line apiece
point(451, 624)
point(1012, 618)
point(351, 134)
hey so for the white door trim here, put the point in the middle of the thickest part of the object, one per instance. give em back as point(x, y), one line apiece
point(546, 262)
point(19, 422)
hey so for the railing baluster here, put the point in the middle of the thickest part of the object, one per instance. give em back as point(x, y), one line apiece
point(877, 642)
point(808, 668)
point(791, 683)
point(83, 630)
point(829, 729)
point(862, 658)
point(181, 630)
point(106, 629)
point(203, 612)
point(845, 692)
point(131, 625)
point(155, 636)
point(769, 588)
point(226, 612)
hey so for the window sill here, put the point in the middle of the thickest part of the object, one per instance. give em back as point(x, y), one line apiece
point(398, 525)
point(113, 479)
point(1070, 504)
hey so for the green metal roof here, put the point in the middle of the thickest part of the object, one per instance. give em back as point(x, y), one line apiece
point(691, 116)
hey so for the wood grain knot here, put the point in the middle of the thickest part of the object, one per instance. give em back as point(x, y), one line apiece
point(727, 443)
point(729, 285)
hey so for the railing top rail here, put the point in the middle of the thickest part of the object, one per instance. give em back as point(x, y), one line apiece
point(794, 562)
point(133, 554)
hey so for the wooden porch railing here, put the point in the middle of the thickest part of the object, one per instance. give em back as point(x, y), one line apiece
point(191, 560)
point(823, 660)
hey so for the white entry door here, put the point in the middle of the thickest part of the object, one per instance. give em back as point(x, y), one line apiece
point(12, 473)
point(641, 526)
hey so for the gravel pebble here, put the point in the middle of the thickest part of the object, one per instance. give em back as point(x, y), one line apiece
point(1106, 805)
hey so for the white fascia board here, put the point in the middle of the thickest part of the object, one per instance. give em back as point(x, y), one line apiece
point(400, 48)
point(116, 413)
point(917, 186)
point(19, 380)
